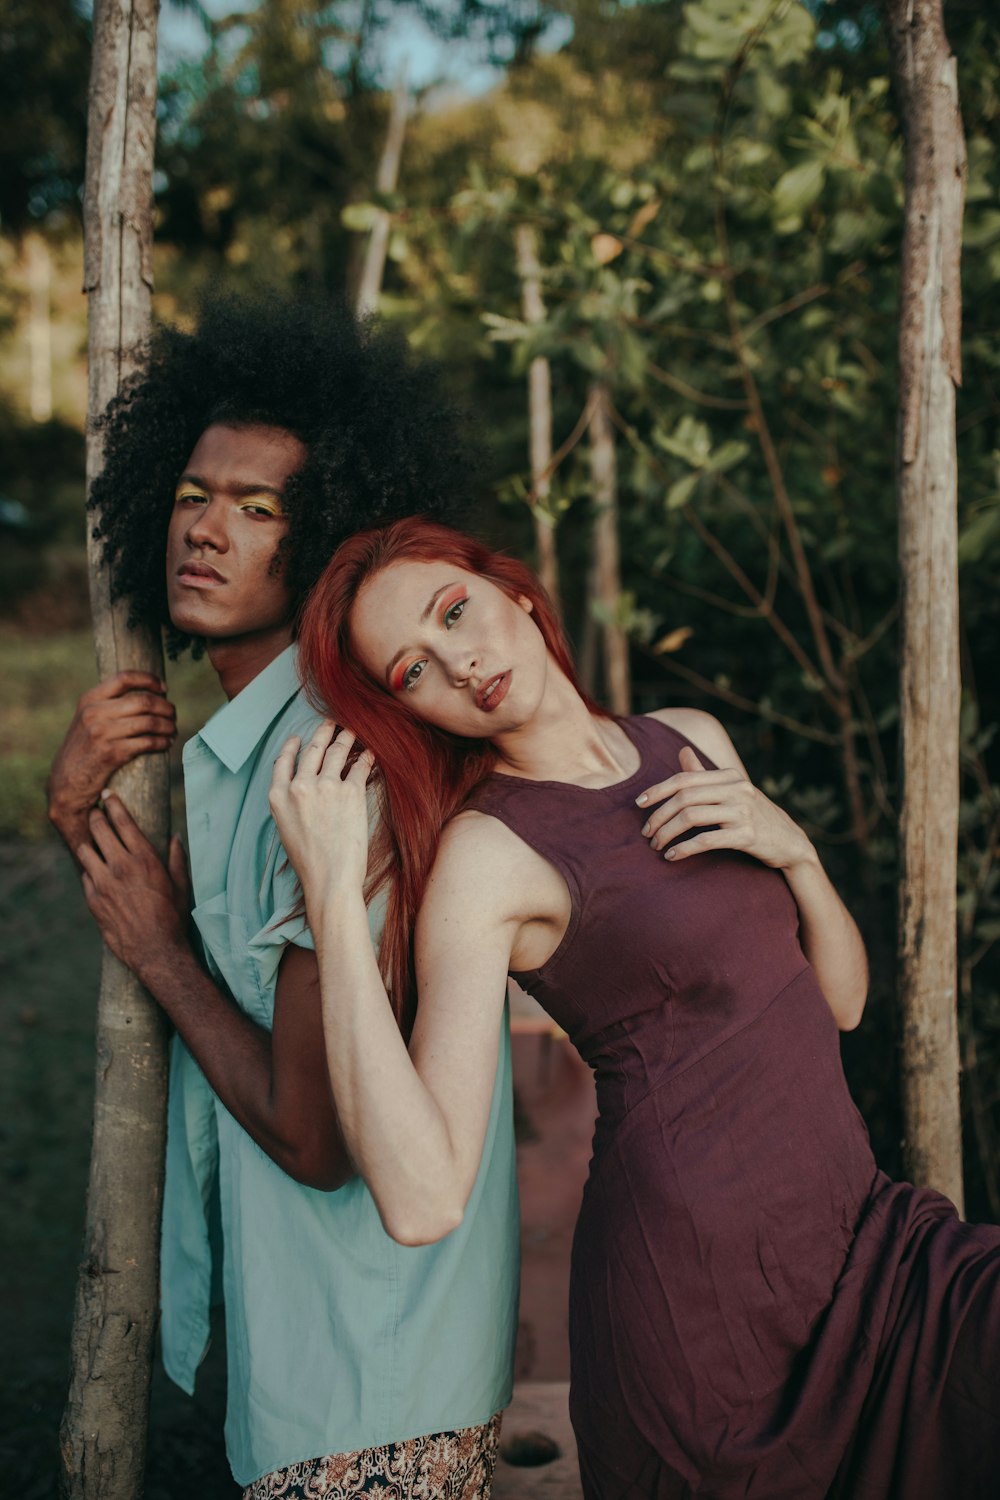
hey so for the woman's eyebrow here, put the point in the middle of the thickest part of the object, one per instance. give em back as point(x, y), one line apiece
point(429, 610)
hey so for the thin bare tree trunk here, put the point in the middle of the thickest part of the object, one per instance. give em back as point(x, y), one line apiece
point(607, 560)
point(539, 413)
point(103, 1435)
point(38, 263)
point(929, 361)
point(373, 269)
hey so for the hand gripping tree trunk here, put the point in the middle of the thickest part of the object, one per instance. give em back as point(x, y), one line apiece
point(103, 1436)
point(929, 366)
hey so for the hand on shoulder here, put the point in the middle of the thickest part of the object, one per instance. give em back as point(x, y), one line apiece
point(721, 800)
point(705, 733)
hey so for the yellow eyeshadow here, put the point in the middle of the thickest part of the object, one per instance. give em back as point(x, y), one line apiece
point(261, 502)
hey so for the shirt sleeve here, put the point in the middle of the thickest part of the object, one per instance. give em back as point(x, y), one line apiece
point(288, 924)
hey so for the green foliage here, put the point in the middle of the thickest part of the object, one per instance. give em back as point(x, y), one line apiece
point(726, 257)
point(716, 193)
point(44, 66)
point(43, 473)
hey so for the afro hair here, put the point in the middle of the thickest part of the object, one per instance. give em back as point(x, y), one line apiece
point(382, 441)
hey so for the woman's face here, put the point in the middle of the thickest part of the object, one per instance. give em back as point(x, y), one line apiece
point(452, 646)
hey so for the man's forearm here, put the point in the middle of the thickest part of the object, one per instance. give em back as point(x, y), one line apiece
point(70, 823)
point(235, 1054)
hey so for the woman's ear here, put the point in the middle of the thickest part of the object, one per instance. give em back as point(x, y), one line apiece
point(525, 603)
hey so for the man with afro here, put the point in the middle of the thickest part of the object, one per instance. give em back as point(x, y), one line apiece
point(246, 452)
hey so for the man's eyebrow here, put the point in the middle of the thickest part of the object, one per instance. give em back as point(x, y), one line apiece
point(430, 606)
point(238, 487)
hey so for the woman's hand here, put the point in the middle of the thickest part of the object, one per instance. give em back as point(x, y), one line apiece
point(322, 811)
point(730, 808)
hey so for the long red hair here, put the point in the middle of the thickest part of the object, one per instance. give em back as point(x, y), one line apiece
point(424, 774)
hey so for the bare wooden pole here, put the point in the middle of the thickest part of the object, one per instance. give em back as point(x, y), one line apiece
point(103, 1435)
point(373, 269)
point(539, 412)
point(927, 479)
point(607, 555)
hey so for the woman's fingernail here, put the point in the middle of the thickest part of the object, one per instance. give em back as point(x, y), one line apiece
point(645, 830)
point(670, 854)
point(641, 801)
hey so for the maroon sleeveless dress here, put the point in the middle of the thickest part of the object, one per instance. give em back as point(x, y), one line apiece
point(756, 1311)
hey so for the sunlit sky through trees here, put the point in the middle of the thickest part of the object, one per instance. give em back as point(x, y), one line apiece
point(405, 39)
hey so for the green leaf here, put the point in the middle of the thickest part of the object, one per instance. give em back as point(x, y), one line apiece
point(358, 216)
point(681, 490)
point(982, 227)
point(728, 455)
point(978, 536)
point(797, 188)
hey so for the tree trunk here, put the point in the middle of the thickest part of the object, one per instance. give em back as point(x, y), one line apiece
point(607, 564)
point(38, 263)
point(539, 413)
point(929, 366)
point(373, 269)
point(103, 1435)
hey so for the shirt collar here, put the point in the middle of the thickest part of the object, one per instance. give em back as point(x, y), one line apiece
point(237, 728)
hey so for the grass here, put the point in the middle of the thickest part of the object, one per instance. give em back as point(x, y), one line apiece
point(43, 679)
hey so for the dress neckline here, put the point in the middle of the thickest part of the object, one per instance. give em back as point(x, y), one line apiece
point(616, 786)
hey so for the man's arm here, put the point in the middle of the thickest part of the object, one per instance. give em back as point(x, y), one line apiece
point(125, 716)
point(274, 1083)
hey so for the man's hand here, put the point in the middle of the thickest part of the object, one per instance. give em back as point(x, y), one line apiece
point(275, 1083)
point(141, 906)
point(126, 716)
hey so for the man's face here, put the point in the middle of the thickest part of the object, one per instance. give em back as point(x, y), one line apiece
point(225, 527)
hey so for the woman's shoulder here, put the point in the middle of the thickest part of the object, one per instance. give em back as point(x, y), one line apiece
point(702, 730)
point(474, 840)
point(482, 865)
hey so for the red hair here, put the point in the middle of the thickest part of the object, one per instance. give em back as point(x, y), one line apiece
point(424, 774)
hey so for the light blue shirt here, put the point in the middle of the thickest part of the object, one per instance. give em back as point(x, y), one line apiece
point(338, 1338)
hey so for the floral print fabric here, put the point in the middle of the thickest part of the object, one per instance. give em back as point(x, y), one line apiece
point(443, 1466)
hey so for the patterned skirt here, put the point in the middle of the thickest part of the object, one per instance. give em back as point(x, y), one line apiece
point(443, 1466)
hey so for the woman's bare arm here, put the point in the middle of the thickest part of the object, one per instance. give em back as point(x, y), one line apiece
point(413, 1120)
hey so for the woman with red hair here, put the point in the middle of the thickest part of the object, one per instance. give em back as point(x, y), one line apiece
point(755, 1310)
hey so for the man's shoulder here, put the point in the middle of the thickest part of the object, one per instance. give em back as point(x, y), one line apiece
point(298, 717)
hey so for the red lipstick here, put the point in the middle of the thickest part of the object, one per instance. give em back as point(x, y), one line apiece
point(492, 692)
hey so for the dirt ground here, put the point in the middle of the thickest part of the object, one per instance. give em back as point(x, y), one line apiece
point(50, 962)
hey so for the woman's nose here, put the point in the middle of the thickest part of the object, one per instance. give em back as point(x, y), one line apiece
point(463, 665)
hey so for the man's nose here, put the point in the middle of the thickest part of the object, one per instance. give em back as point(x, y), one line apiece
point(207, 527)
